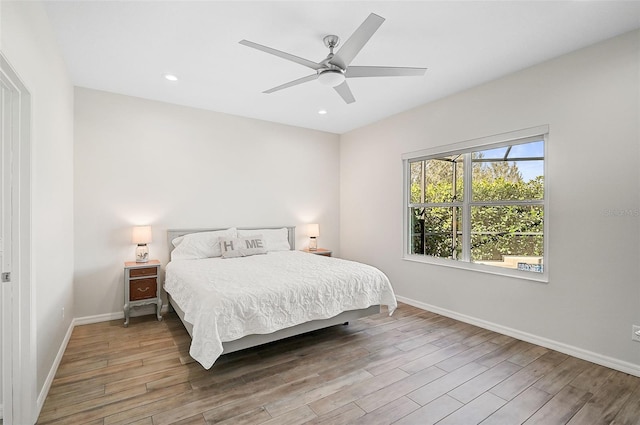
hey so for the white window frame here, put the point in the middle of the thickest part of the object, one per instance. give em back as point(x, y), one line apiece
point(484, 143)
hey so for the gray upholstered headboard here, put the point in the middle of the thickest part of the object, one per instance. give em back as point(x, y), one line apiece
point(174, 233)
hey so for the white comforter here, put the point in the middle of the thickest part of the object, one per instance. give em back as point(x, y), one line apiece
point(226, 299)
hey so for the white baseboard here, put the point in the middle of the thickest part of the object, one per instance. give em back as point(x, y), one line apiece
point(54, 368)
point(139, 311)
point(87, 320)
point(610, 362)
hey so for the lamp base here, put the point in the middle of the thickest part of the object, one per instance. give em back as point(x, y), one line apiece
point(313, 244)
point(142, 254)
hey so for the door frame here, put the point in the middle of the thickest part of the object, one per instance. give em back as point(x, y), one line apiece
point(19, 363)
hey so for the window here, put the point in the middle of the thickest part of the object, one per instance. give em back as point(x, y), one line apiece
point(480, 205)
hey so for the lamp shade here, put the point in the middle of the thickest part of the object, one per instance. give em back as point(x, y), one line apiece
point(313, 230)
point(141, 235)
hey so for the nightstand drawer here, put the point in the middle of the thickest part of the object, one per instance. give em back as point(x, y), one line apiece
point(144, 271)
point(141, 289)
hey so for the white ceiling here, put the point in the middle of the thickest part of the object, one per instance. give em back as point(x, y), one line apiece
point(126, 46)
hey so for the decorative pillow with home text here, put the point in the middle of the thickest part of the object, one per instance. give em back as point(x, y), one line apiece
point(242, 247)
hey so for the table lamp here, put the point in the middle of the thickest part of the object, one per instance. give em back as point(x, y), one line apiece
point(141, 237)
point(314, 231)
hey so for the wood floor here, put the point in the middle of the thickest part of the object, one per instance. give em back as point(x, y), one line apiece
point(415, 367)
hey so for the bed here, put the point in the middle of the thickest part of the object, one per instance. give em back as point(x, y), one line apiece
point(255, 288)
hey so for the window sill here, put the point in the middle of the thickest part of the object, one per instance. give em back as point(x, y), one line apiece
point(517, 274)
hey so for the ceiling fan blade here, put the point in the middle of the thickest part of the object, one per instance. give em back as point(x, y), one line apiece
point(383, 71)
point(293, 83)
point(356, 42)
point(310, 64)
point(345, 92)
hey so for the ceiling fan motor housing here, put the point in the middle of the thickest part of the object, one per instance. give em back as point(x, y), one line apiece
point(331, 75)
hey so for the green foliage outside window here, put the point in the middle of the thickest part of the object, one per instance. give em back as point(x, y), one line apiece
point(496, 230)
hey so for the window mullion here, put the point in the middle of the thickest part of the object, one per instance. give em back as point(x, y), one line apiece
point(437, 205)
point(505, 203)
point(466, 208)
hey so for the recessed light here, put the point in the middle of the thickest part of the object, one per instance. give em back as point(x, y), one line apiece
point(170, 77)
point(322, 111)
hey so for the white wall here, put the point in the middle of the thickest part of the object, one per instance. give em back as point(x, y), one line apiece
point(590, 100)
point(28, 44)
point(146, 162)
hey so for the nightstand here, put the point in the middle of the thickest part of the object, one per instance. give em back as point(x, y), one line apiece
point(319, 251)
point(141, 286)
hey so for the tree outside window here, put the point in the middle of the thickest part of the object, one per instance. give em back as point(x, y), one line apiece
point(482, 206)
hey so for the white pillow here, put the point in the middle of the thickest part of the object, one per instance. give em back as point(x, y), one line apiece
point(242, 247)
point(200, 245)
point(275, 239)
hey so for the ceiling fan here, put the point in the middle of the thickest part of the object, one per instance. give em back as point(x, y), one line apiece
point(335, 68)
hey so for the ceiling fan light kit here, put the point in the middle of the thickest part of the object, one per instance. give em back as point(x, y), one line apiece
point(334, 70)
point(331, 77)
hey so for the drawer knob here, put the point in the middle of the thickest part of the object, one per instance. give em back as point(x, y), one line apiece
point(143, 289)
